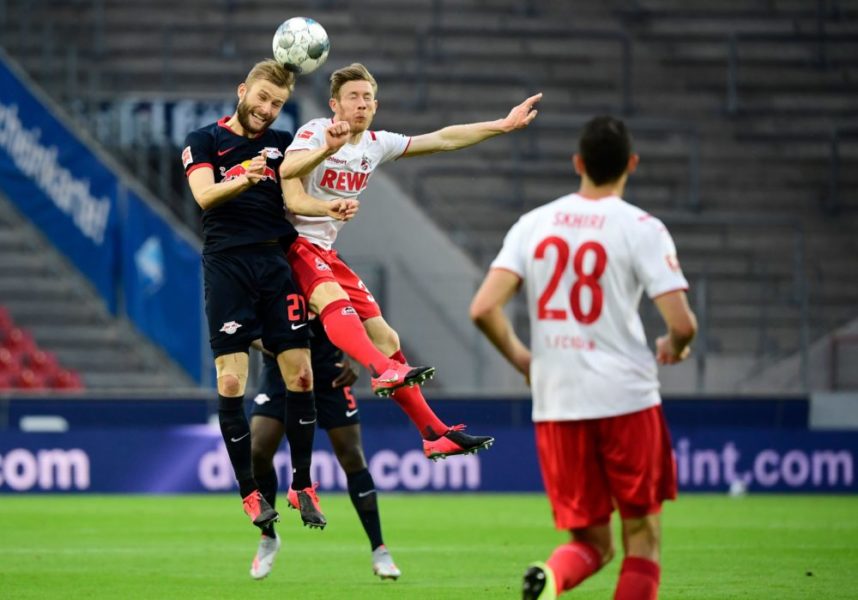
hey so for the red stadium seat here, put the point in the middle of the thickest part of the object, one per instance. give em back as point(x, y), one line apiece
point(5, 382)
point(9, 363)
point(65, 379)
point(41, 362)
point(29, 380)
point(19, 341)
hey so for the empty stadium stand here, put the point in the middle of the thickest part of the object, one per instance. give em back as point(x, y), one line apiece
point(56, 332)
point(743, 111)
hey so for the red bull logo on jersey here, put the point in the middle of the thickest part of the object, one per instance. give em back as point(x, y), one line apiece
point(344, 181)
point(236, 171)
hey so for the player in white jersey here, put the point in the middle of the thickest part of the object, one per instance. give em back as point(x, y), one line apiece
point(332, 159)
point(585, 260)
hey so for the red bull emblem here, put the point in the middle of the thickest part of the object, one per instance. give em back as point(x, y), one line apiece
point(236, 171)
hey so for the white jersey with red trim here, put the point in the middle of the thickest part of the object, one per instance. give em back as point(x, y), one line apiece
point(585, 264)
point(343, 175)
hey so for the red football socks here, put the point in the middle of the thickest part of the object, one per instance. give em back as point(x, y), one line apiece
point(347, 333)
point(639, 579)
point(573, 563)
point(412, 402)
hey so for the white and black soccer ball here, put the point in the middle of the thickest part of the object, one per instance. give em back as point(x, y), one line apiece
point(301, 45)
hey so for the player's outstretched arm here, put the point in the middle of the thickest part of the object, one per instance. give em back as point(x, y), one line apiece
point(456, 137)
point(674, 346)
point(487, 313)
point(299, 202)
point(301, 162)
point(209, 194)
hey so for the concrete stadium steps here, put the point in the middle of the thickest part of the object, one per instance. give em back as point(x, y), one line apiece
point(51, 300)
point(771, 157)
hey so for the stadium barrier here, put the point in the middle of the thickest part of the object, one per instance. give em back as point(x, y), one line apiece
point(161, 446)
point(140, 261)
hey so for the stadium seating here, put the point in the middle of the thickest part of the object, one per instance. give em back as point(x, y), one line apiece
point(743, 113)
point(60, 329)
point(24, 366)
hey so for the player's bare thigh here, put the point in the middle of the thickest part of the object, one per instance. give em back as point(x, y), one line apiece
point(325, 293)
point(383, 336)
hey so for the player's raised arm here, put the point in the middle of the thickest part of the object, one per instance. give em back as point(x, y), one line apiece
point(487, 313)
point(456, 137)
point(209, 194)
point(300, 163)
point(299, 202)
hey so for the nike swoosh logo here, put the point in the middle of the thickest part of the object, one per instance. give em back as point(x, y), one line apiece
point(303, 422)
point(351, 413)
point(365, 494)
point(238, 439)
point(222, 152)
point(297, 327)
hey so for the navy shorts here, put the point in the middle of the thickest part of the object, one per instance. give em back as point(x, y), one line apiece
point(335, 407)
point(250, 295)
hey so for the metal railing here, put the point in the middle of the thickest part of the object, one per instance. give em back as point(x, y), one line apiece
point(839, 134)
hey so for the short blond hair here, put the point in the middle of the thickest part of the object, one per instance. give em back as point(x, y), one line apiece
point(271, 70)
point(353, 72)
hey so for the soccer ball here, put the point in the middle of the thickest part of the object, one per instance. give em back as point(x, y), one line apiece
point(301, 45)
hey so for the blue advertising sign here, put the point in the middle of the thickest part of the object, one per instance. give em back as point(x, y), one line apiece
point(75, 199)
point(193, 459)
point(162, 285)
point(58, 183)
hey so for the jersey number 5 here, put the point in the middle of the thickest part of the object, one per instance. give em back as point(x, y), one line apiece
point(589, 280)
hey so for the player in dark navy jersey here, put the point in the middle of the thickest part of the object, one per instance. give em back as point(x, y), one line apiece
point(339, 415)
point(232, 169)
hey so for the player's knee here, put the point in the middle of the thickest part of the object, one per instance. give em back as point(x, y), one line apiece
point(296, 370)
point(230, 385)
point(299, 378)
point(599, 539)
point(351, 459)
point(643, 538)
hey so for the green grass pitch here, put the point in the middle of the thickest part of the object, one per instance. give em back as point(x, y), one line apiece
point(448, 546)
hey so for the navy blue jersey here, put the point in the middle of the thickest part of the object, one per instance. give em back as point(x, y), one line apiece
point(257, 214)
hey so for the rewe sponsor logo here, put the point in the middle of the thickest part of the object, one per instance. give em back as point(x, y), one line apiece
point(55, 469)
point(344, 181)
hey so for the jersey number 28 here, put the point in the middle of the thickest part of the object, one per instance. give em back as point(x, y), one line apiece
point(589, 280)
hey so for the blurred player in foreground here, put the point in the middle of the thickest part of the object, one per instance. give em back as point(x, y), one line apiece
point(333, 159)
point(338, 414)
point(584, 260)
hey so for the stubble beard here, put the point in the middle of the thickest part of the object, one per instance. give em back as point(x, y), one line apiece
point(243, 112)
